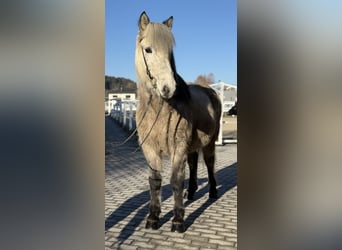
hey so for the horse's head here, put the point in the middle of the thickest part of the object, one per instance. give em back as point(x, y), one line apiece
point(154, 57)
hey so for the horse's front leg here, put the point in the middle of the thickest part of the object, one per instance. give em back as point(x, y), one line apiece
point(177, 183)
point(155, 180)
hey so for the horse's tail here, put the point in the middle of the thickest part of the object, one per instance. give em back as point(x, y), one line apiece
point(217, 106)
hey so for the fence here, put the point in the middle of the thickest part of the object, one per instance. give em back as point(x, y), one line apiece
point(124, 113)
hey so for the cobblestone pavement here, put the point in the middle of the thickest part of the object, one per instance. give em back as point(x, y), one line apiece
point(210, 224)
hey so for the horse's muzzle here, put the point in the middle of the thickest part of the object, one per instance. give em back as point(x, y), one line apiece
point(166, 92)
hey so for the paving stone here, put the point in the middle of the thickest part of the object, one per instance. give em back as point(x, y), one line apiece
point(226, 248)
point(143, 245)
point(165, 243)
point(210, 224)
point(157, 247)
point(138, 238)
point(196, 238)
point(126, 247)
point(185, 247)
point(202, 245)
point(156, 236)
point(222, 242)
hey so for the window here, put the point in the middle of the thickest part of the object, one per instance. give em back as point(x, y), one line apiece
point(128, 96)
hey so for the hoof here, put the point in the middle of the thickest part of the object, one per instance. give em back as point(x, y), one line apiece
point(178, 227)
point(152, 225)
point(213, 195)
point(190, 196)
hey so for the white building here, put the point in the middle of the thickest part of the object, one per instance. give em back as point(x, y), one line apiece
point(124, 96)
point(229, 94)
point(114, 98)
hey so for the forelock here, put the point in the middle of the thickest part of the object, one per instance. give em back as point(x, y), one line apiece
point(159, 36)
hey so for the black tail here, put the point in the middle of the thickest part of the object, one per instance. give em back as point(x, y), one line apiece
point(217, 106)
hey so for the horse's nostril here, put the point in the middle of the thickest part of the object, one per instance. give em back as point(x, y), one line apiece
point(166, 90)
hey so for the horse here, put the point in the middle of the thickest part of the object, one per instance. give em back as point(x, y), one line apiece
point(174, 119)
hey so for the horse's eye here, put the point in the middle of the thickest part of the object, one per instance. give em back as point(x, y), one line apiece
point(148, 50)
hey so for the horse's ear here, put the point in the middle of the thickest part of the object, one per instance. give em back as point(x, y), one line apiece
point(169, 22)
point(143, 21)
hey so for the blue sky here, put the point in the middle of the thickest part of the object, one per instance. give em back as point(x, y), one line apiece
point(205, 33)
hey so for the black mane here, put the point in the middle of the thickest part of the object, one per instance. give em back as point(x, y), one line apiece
point(182, 93)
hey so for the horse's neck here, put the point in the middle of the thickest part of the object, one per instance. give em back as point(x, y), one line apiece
point(147, 96)
point(144, 93)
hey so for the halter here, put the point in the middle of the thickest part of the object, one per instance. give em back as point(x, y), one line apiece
point(148, 72)
point(145, 111)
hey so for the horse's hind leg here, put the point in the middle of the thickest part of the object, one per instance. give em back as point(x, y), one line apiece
point(192, 161)
point(209, 159)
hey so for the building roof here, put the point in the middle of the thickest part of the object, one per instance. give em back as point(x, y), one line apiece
point(218, 85)
point(128, 91)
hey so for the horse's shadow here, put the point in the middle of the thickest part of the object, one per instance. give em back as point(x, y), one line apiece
point(139, 204)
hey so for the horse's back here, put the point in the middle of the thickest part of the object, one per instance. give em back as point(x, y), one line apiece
point(206, 101)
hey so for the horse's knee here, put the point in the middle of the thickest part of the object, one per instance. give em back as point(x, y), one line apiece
point(177, 181)
point(177, 188)
point(155, 184)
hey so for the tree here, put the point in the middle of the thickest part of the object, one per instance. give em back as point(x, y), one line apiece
point(211, 78)
point(119, 84)
point(203, 79)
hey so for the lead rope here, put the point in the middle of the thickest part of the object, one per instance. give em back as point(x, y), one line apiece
point(146, 66)
point(161, 103)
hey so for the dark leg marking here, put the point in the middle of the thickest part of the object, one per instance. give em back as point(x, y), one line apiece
point(155, 181)
point(177, 183)
point(193, 164)
point(209, 159)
